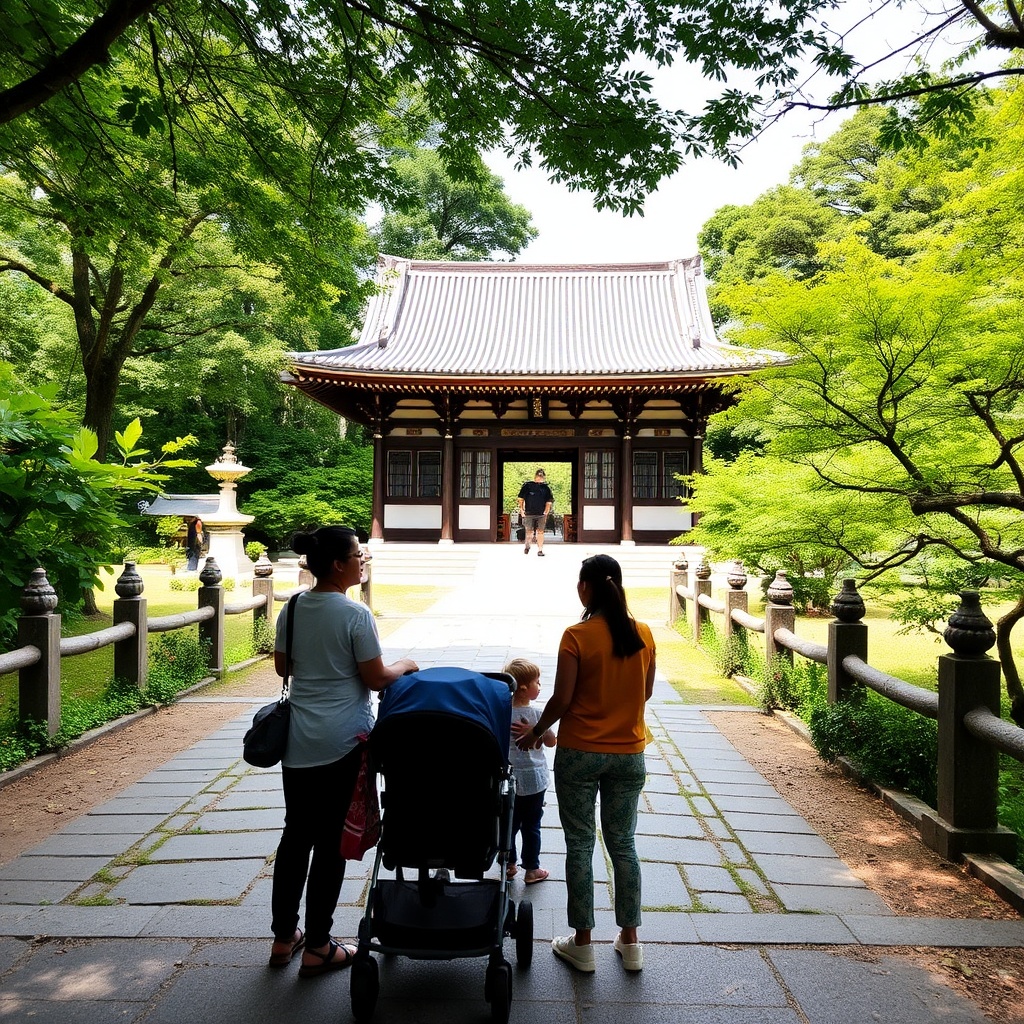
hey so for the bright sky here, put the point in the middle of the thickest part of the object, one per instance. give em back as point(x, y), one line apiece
point(571, 231)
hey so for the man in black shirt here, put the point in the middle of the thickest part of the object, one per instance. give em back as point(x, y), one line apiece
point(535, 501)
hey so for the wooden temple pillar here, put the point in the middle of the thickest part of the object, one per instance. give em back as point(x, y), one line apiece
point(447, 487)
point(626, 409)
point(379, 469)
point(626, 489)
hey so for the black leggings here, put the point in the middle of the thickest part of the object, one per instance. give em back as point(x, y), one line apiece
point(316, 804)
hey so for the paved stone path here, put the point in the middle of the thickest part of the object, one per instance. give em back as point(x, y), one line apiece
point(156, 904)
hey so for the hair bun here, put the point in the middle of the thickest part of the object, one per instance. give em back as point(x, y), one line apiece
point(304, 543)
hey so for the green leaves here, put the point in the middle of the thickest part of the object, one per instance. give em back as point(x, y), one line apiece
point(59, 507)
point(892, 441)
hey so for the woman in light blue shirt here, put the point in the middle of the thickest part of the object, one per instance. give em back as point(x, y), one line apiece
point(336, 662)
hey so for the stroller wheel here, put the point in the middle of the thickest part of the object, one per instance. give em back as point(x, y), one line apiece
point(524, 934)
point(498, 987)
point(365, 987)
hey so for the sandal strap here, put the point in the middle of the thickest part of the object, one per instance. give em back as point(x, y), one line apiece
point(329, 955)
point(332, 948)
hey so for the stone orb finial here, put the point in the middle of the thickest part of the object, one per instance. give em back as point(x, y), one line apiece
point(737, 577)
point(703, 571)
point(969, 630)
point(264, 567)
point(129, 584)
point(38, 597)
point(211, 574)
point(848, 605)
point(780, 590)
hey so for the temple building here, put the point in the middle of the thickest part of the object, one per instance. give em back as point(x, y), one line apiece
point(463, 367)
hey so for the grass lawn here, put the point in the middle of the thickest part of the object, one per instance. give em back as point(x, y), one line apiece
point(912, 657)
point(86, 675)
point(690, 671)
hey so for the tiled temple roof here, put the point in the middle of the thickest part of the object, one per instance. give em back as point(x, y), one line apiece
point(519, 320)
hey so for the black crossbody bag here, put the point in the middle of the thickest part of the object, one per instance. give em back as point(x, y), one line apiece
point(265, 742)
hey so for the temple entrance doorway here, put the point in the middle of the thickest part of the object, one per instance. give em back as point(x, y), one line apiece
point(515, 467)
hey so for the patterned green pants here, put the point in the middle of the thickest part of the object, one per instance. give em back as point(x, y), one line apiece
point(619, 778)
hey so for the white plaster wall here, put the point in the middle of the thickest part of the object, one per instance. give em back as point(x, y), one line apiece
point(598, 517)
point(661, 517)
point(474, 517)
point(412, 517)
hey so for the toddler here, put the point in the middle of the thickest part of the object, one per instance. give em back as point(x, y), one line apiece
point(531, 772)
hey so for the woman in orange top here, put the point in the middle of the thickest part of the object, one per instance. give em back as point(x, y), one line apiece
point(604, 677)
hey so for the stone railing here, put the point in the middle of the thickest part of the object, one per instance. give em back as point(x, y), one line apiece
point(37, 659)
point(971, 733)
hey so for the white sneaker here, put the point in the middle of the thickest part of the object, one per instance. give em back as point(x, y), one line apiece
point(581, 957)
point(632, 954)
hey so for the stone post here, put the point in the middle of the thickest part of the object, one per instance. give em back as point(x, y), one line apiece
point(701, 585)
point(676, 578)
point(968, 774)
point(131, 656)
point(778, 614)
point(846, 635)
point(211, 595)
point(736, 596)
point(39, 684)
point(263, 586)
point(306, 578)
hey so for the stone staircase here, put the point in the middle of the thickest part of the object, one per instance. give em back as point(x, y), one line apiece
point(452, 564)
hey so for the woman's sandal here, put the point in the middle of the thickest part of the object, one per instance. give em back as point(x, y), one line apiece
point(511, 871)
point(284, 959)
point(330, 961)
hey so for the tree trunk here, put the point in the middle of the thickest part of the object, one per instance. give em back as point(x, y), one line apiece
point(100, 397)
point(1014, 690)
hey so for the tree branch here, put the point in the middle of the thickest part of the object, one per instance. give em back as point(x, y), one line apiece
point(906, 94)
point(13, 266)
point(89, 49)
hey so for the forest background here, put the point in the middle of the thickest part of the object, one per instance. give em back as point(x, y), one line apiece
point(185, 189)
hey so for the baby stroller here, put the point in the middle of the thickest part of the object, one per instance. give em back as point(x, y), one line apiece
point(441, 743)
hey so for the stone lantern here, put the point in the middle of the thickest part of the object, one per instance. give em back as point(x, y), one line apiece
point(227, 545)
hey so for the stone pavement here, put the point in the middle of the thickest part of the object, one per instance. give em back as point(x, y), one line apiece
point(154, 906)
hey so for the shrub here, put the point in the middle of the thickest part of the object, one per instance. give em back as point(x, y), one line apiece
point(889, 744)
point(253, 550)
point(177, 661)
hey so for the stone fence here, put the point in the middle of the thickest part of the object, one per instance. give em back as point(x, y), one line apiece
point(971, 733)
point(37, 660)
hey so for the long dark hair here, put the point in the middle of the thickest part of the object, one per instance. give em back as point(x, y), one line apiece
point(608, 599)
point(324, 546)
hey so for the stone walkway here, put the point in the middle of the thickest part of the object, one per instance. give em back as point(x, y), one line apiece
point(155, 905)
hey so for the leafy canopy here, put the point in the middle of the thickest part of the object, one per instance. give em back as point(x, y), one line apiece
point(892, 438)
point(568, 81)
point(59, 506)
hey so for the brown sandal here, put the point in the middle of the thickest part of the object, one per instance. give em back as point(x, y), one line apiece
point(284, 959)
point(330, 962)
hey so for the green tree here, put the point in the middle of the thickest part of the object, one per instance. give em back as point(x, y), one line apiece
point(59, 506)
point(552, 79)
point(443, 218)
point(157, 242)
point(903, 400)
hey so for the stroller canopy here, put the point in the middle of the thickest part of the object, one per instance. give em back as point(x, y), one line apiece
point(454, 691)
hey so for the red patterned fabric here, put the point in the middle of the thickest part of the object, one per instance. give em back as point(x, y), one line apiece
point(362, 826)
